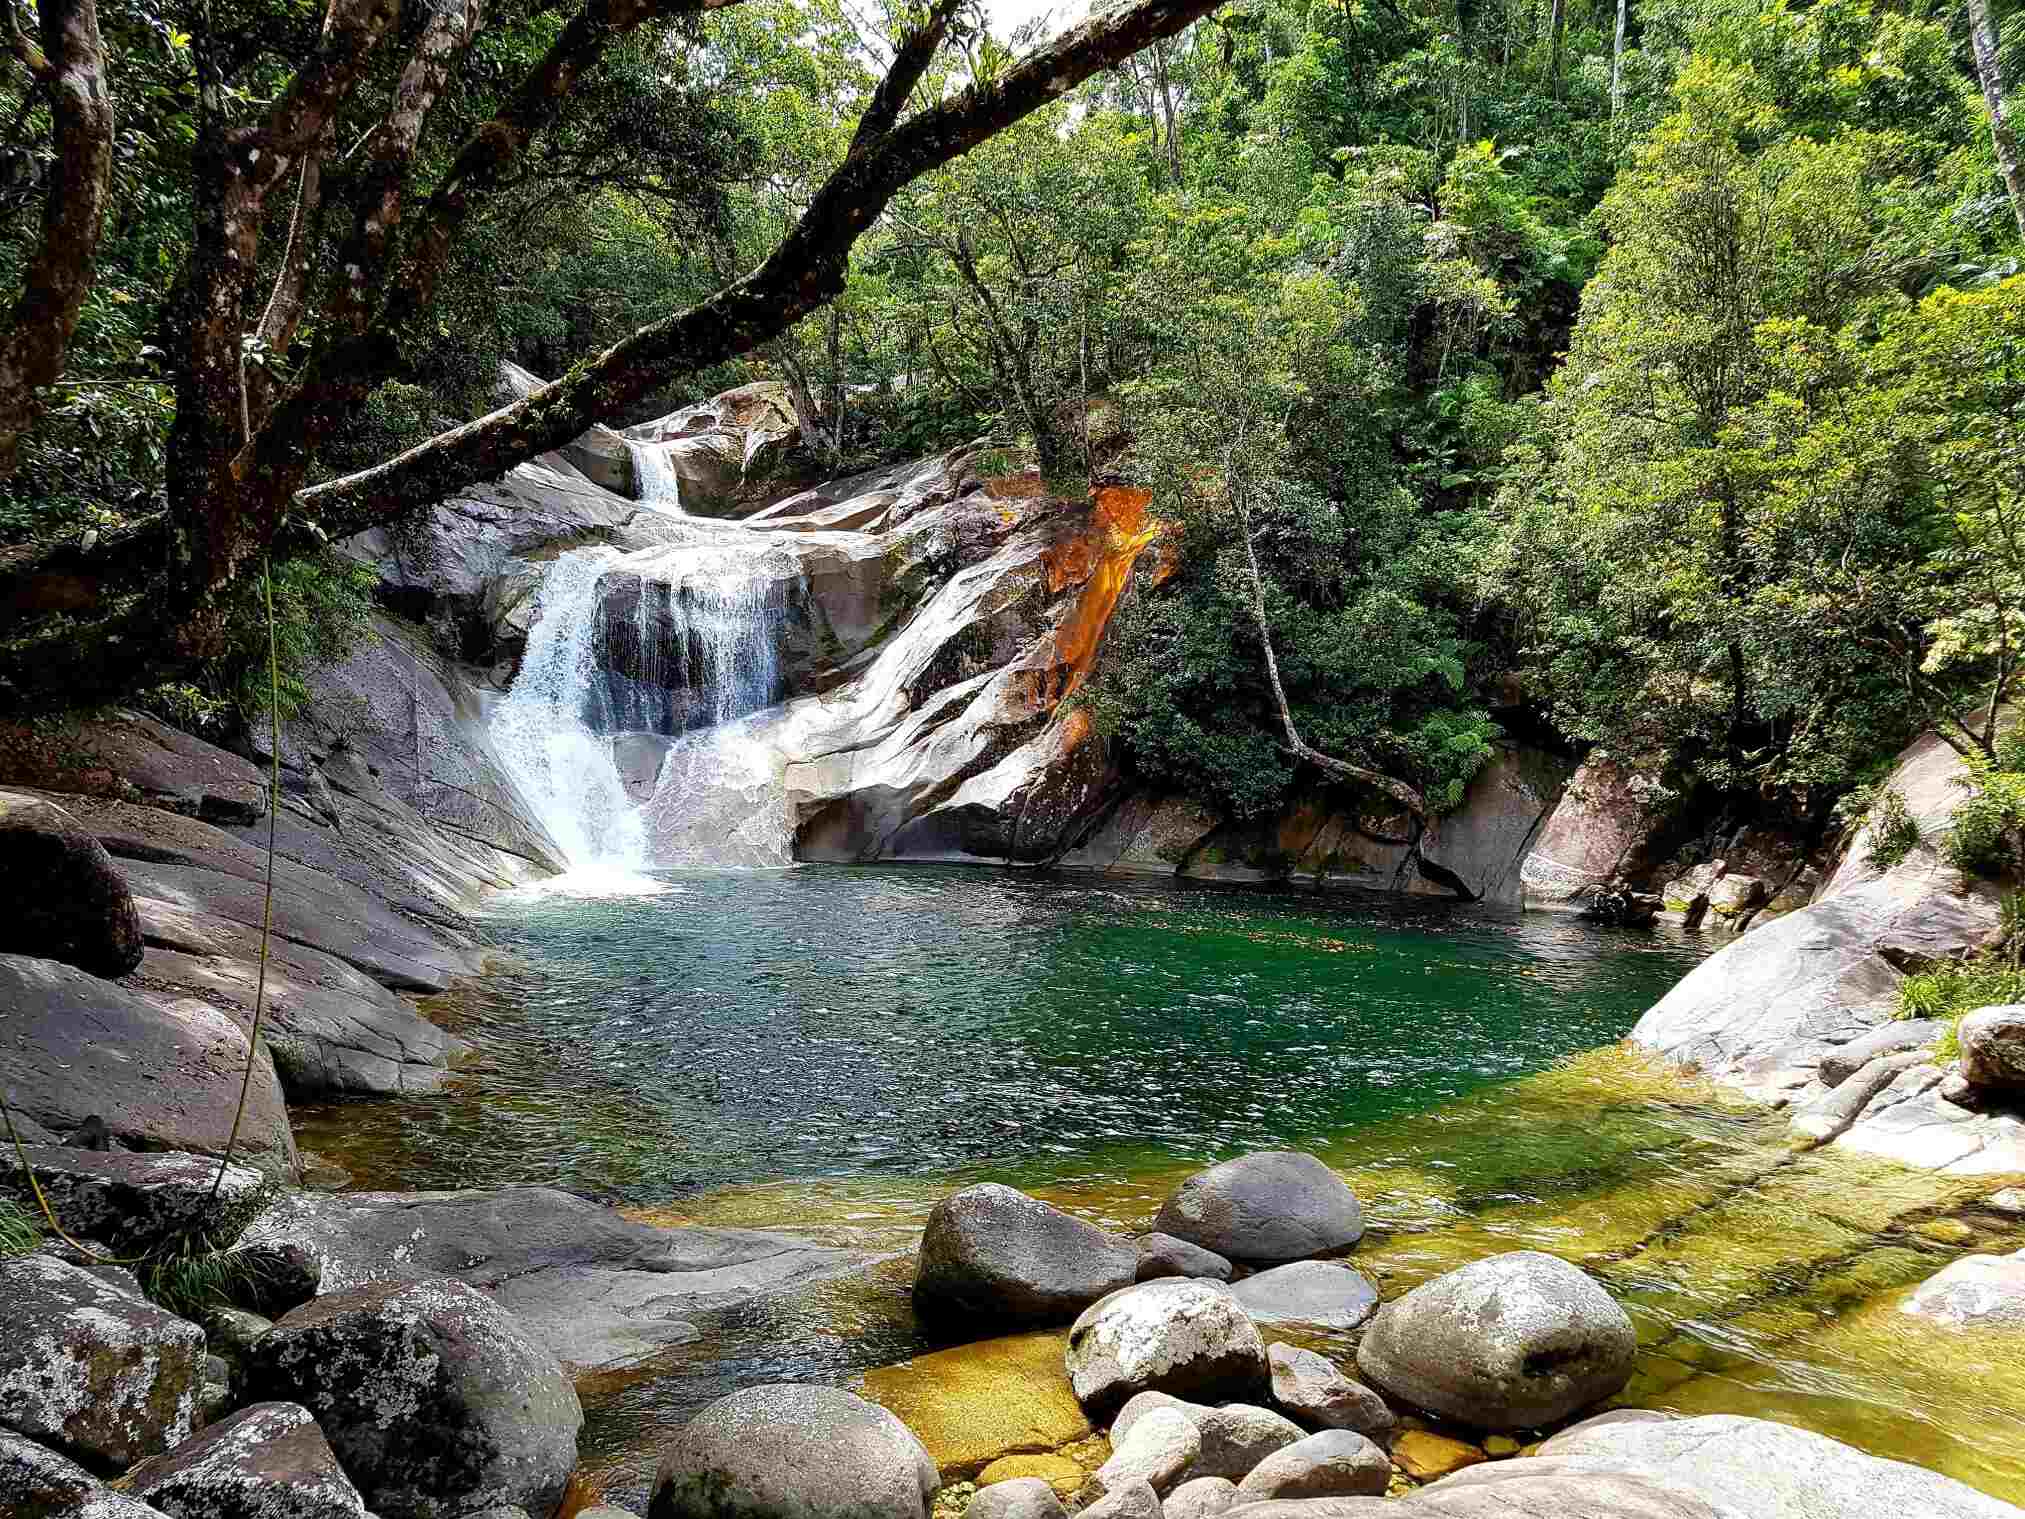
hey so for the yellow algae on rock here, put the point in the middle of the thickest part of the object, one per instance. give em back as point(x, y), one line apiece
point(1499, 1446)
point(1059, 1472)
point(1425, 1455)
point(975, 1403)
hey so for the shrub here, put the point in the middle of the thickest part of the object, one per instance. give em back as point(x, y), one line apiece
point(1894, 831)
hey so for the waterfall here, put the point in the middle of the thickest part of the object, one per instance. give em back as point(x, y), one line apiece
point(658, 484)
point(694, 667)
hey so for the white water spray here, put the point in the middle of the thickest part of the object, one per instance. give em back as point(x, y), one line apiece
point(659, 486)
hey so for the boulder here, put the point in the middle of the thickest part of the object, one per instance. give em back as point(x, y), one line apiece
point(61, 896)
point(133, 1203)
point(1894, 1038)
point(1237, 1437)
point(1164, 1255)
point(1308, 1292)
point(1838, 1107)
point(1136, 1500)
point(1479, 851)
point(1762, 1012)
point(1200, 1498)
point(1312, 1391)
point(1174, 1336)
point(1337, 1463)
point(37, 1483)
point(785, 1451)
point(233, 1331)
point(1019, 1498)
point(1277, 1205)
point(1735, 895)
point(1139, 1405)
point(1598, 830)
point(1159, 1450)
point(991, 1253)
point(1975, 1292)
point(1508, 1342)
point(1993, 1048)
point(160, 1075)
point(431, 1395)
point(269, 1461)
point(90, 1366)
point(595, 1288)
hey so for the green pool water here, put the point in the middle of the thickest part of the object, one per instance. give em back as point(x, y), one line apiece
point(828, 1050)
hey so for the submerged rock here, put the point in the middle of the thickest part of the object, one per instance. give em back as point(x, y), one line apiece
point(1316, 1393)
point(1163, 1255)
point(1277, 1205)
point(972, 1404)
point(794, 1452)
point(432, 1397)
point(1508, 1342)
point(1975, 1292)
point(269, 1461)
point(1308, 1292)
point(60, 894)
point(1337, 1463)
point(90, 1366)
point(1173, 1336)
point(993, 1253)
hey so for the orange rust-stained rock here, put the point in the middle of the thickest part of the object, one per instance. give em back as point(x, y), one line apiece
point(1100, 559)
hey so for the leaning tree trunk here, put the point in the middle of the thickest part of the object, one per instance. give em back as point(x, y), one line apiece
point(1617, 58)
point(70, 64)
point(1983, 41)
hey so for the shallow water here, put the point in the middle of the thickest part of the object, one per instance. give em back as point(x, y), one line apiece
point(829, 1049)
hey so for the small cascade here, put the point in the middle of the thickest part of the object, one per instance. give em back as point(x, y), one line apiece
point(674, 648)
point(654, 476)
point(544, 730)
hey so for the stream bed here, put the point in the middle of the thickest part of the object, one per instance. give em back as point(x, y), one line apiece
point(829, 1049)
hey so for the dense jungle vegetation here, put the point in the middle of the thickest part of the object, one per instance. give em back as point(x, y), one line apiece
point(1650, 375)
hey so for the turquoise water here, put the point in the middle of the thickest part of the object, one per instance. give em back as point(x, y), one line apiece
point(945, 1021)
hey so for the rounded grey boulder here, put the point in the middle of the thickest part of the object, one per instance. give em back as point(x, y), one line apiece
point(993, 1252)
point(1184, 1338)
point(434, 1400)
point(787, 1451)
point(1993, 1047)
point(1508, 1342)
point(1278, 1205)
point(1162, 1255)
point(1315, 1393)
point(1237, 1437)
point(37, 1483)
point(1018, 1498)
point(1308, 1292)
point(1337, 1463)
point(1200, 1498)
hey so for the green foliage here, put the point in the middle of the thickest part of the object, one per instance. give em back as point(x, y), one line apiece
point(1948, 991)
point(1984, 835)
point(1894, 831)
point(191, 1281)
point(321, 608)
point(20, 1230)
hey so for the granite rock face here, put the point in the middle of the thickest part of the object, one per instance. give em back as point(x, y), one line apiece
point(269, 1461)
point(991, 1253)
point(434, 1399)
point(1993, 1049)
point(60, 895)
point(90, 1366)
point(1508, 1342)
point(1598, 832)
point(787, 1451)
point(1273, 1206)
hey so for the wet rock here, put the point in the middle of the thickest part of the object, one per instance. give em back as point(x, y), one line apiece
point(139, 1203)
point(1273, 1206)
point(1163, 1255)
point(1337, 1463)
point(1616, 903)
point(1507, 1342)
point(61, 896)
point(1174, 1336)
point(160, 1075)
point(1975, 1292)
point(1237, 1437)
point(1993, 1048)
point(431, 1395)
point(1020, 1498)
point(972, 1404)
point(1426, 1456)
point(1059, 1472)
point(1893, 1038)
point(1835, 1110)
point(90, 1366)
point(597, 1289)
point(794, 1452)
point(1145, 836)
point(1316, 1393)
point(1136, 1501)
point(37, 1483)
point(1735, 895)
point(995, 1254)
point(1158, 1450)
point(269, 1461)
point(1200, 1498)
point(1308, 1292)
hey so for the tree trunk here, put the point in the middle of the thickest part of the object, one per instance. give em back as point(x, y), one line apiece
point(1983, 41)
point(1617, 58)
point(70, 64)
point(1558, 25)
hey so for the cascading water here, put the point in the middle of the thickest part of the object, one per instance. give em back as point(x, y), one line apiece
point(658, 484)
point(692, 666)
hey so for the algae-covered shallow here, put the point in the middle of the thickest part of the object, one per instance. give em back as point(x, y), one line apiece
point(832, 1050)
